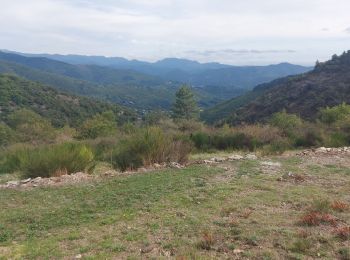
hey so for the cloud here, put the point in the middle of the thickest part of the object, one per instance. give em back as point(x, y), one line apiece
point(347, 30)
point(272, 30)
point(238, 52)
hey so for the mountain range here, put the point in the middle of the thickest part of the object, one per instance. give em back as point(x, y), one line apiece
point(189, 71)
point(328, 84)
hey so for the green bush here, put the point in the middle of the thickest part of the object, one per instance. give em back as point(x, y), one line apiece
point(7, 135)
point(223, 141)
point(148, 146)
point(286, 122)
point(50, 160)
point(11, 158)
point(99, 126)
point(337, 113)
point(31, 127)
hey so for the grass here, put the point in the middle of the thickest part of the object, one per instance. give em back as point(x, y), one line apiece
point(201, 212)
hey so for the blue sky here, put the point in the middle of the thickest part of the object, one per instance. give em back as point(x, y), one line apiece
point(240, 32)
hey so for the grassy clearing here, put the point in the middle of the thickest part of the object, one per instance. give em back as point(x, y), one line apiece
point(234, 209)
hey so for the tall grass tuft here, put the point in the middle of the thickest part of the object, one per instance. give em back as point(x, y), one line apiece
point(52, 160)
point(148, 146)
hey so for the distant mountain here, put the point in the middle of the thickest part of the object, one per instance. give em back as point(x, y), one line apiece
point(60, 108)
point(327, 85)
point(125, 87)
point(190, 72)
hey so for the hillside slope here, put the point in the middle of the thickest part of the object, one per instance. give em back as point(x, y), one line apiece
point(327, 85)
point(58, 107)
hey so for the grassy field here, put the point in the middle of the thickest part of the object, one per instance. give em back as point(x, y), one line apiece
point(232, 210)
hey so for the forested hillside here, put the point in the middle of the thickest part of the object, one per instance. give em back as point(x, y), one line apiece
point(327, 85)
point(57, 107)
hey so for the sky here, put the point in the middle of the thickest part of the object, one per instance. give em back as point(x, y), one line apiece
point(237, 32)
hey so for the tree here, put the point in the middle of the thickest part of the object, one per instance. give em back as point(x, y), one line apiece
point(185, 106)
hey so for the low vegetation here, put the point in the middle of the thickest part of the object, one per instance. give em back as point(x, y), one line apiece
point(157, 140)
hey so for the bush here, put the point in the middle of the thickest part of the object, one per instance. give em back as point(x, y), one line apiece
point(31, 127)
point(7, 135)
point(337, 113)
point(286, 122)
point(149, 146)
point(222, 141)
point(52, 160)
point(99, 126)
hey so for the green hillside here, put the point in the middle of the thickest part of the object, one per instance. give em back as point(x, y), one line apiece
point(58, 107)
point(327, 85)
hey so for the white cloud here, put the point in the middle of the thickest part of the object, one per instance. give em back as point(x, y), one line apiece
point(153, 29)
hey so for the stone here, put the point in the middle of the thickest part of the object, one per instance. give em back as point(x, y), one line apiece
point(238, 251)
point(321, 150)
point(175, 165)
point(78, 256)
point(217, 159)
point(271, 164)
point(26, 180)
point(12, 183)
point(235, 157)
point(251, 156)
point(157, 165)
point(37, 179)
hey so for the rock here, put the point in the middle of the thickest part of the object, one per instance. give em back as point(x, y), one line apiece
point(37, 179)
point(235, 157)
point(271, 164)
point(175, 165)
point(146, 249)
point(78, 256)
point(251, 156)
point(217, 159)
point(157, 165)
point(321, 150)
point(26, 180)
point(208, 161)
point(12, 183)
point(238, 251)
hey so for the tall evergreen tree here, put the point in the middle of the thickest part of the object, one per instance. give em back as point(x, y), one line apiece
point(185, 106)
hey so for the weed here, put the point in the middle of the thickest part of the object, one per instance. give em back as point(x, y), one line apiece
point(207, 241)
point(316, 218)
point(301, 245)
point(343, 232)
point(339, 206)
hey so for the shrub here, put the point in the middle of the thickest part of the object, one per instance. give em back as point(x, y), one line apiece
point(337, 113)
point(55, 159)
point(100, 125)
point(7, 135)
point(148, 146)
point(277, 146)
point(317, 218)
point(31, 127)
point(286, 122)
point(11, 159)
point(223, 141)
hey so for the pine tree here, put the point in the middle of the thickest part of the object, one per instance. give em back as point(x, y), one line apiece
point(185, 106)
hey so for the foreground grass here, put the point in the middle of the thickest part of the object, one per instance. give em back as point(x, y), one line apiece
point(232, 210)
